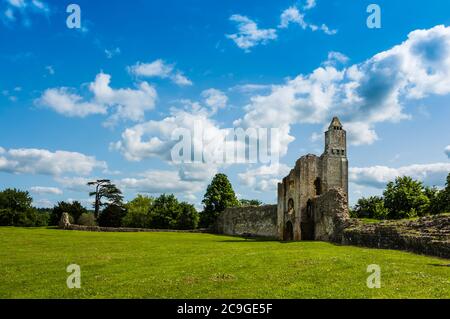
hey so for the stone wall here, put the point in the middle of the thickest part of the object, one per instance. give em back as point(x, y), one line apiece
point(331, 215)
point(249, 221)
point(428, 235)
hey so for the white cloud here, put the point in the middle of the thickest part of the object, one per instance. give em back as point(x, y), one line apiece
point(294, 15)
point(128, 104)
point(23, 9)
point(160, 69)
point(62, 101)
point(265, 177)
point(335, 58)
point(362, 94)
point(447, 151)
point(46, 190)
point(378, 176)
point(76, 184)
point(215, 99)
point(160, 181)
point(44, 162)
point(249, 35)
point(154, 138)
point(112, 53)
point(309, 4)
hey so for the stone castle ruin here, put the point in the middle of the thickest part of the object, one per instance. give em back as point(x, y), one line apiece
point(312, 199)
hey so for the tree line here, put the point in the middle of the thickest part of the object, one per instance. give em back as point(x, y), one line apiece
point(404, 198)
point(109, 209)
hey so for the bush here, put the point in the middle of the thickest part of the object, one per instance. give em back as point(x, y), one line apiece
point(87, 219)
point(112, 216)
point(29, 218)
point(371, 207)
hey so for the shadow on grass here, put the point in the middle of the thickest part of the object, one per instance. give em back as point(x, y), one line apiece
point(439, 265)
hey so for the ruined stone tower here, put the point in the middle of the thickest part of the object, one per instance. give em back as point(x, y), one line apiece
point(312, 177)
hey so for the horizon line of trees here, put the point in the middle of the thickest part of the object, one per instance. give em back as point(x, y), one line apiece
point(402, 198)
point(109, 210)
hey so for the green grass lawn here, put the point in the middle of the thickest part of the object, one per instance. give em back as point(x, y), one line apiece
point(177, 265)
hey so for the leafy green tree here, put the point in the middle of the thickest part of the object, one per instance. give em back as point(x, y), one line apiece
point(15, 199)
point(139, 212)
point(250, 202)
point(188, 217)
point(371, 207)
point(165, 211)
point(219, 195)
point(112, 216)
point(74, 209)
point(405, 198)
point(104, 189)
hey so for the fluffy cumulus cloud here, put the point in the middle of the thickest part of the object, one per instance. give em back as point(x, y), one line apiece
point(128, 104)
point(363, 94)
point(40, 190)
point(215, 99)
point(44, 162)
point(249, 35)
point(155, 138)
point(264, 178)
point(378, 176)
point(159, 69)
point(21, 10)
point(447, 151)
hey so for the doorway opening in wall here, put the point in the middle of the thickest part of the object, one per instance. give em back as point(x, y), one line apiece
point(289, 231)
point(307, 225)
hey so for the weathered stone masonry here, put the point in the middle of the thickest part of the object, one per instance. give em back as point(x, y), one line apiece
point(254, 221)
point(309, 198)
point(313, 205)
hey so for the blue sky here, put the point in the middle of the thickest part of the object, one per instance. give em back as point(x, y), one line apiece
point(102, 101)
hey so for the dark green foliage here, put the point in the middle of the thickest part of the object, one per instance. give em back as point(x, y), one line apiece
point(112, 216)
point(250, 202)
point(188, 217)
point(165, 211)
point(104, 189)
point(219, 195)
point(74, 209)
point(371, 207)
point(16, 210)
point(15, 200)
point(405, 198)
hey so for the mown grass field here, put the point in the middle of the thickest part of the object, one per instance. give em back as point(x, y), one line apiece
point(174, 265)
